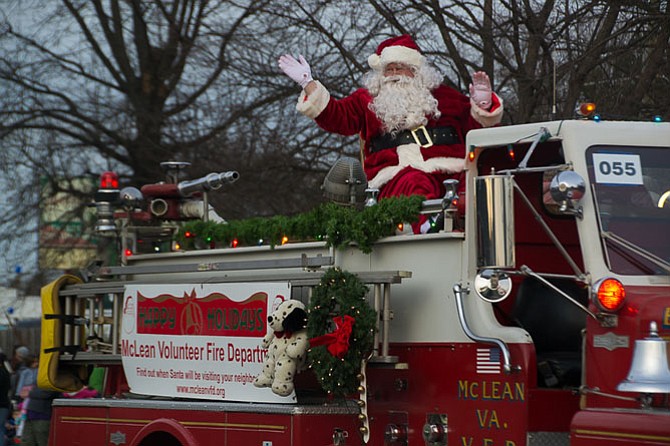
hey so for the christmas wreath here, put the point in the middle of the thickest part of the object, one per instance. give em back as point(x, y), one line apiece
point(341, 327)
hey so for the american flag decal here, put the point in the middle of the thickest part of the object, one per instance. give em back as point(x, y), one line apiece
point(488, 360)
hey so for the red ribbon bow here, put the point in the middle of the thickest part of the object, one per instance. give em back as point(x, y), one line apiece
point(281, 334)
point(338, 340)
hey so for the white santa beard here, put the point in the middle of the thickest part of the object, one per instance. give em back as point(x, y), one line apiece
point(403, 103)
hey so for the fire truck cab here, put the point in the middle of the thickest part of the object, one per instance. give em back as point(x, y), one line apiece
point(539, 315)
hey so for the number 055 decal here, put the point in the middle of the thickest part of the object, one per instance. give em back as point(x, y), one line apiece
point(617, 168)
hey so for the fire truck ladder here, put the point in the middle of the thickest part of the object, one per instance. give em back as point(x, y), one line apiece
point(96, 305)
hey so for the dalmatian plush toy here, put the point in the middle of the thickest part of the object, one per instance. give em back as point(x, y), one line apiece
point(287, 345)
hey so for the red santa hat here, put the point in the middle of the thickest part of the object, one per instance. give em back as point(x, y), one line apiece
point(401, 49)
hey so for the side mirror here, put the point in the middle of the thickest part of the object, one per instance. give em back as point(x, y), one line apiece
point(567, 188)
point(492, 286)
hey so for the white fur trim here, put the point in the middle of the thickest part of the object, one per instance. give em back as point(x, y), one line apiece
point(485, 117)
point(374, 61)
point(410, 155)
point(396, 53)
point(312, 105)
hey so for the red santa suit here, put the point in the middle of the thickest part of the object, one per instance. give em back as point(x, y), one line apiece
point(407, 164)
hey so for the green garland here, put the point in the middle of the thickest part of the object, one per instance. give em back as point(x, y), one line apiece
point(337, 225)
point(340, 293)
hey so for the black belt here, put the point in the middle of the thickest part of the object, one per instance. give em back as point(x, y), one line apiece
point(425, 137)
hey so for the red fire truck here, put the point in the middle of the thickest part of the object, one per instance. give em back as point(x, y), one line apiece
point(538, 315)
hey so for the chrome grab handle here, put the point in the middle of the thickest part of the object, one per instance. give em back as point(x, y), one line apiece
point(507, 367)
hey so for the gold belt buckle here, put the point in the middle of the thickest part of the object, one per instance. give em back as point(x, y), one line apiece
point(415, 135)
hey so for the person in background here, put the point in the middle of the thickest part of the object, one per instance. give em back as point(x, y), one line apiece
point(16, 364)
point(38, 417)
point(413, 127)
point(97, 379)
point(27, 377)
point(19, 356)
point(84, 392)
point(5, 403)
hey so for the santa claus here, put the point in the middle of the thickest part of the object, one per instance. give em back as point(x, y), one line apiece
point(412, 125)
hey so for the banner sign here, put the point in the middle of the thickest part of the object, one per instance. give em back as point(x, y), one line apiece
point(199, 340)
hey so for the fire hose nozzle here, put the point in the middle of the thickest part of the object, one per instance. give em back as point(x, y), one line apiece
point(209, 182)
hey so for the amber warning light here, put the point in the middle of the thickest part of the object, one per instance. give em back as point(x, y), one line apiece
point(586, 109)
point(610, 294)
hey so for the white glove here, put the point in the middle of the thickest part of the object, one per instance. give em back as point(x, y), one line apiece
point(298, 70)
point(480, 90)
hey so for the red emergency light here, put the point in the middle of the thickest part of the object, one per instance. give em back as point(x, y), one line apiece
point(109, 180)
point(610, 295)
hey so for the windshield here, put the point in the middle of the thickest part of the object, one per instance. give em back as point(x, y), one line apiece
point(631, 188)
